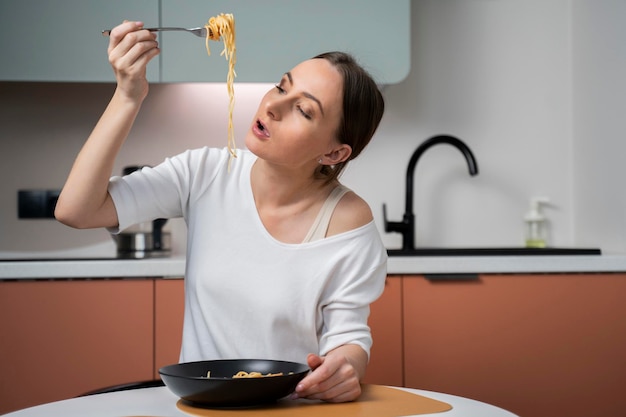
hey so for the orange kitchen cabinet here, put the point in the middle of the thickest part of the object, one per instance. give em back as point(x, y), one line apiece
point(169, 302)
point(386, 366)
point(64, 338)
point(538, 345)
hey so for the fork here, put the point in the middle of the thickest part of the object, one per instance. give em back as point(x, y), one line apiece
point(200, 32)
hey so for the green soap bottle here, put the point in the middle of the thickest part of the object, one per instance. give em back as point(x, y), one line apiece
point(536, 232)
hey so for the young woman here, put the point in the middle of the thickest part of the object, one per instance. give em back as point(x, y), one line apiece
point(283, 261)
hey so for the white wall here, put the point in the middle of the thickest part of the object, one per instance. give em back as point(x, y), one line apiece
point(599, 68)
point(517, 80)
point(497, 75)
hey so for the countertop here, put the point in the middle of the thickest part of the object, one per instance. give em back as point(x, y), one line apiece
point(174, 267)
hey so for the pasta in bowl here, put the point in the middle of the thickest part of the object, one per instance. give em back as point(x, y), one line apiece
point(233, 382)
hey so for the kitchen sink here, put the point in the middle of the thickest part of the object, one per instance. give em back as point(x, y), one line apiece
point(495, 251)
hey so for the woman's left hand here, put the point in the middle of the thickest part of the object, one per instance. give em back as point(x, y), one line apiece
point(336, 377)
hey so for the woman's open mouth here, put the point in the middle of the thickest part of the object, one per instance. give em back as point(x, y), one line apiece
point(260, 129)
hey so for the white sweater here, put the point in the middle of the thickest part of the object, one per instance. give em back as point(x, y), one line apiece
point(248, 295)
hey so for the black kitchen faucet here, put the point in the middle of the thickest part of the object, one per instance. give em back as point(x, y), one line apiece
point(406, 227)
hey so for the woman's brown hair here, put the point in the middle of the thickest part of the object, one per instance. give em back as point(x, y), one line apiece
point(363, 108)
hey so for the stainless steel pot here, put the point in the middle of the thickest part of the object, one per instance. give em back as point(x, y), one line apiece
point(142, 245)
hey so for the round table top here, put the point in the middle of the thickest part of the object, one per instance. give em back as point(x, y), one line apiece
point(161, 401)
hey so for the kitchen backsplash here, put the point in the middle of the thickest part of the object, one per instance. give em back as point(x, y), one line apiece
point(520, 94)
point(47, 123)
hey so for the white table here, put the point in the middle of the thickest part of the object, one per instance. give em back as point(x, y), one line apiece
point(162, 402)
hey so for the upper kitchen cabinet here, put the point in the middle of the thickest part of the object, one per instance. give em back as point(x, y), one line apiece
point(275, 35)
point(51, 40)
point(48, 40)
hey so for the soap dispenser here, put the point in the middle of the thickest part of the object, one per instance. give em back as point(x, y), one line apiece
point(536, 233)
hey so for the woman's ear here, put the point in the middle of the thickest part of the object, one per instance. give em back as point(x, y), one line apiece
point(339, 154)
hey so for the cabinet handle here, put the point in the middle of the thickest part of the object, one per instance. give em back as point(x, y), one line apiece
point(452, 277)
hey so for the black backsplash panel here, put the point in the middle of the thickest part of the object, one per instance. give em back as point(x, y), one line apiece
point(36, 204)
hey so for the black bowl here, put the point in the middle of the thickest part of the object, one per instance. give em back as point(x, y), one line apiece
point(188, 381)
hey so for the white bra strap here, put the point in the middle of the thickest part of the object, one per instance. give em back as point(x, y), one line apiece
point(320, 225)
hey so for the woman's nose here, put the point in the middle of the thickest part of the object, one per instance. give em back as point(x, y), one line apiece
point(274, 108)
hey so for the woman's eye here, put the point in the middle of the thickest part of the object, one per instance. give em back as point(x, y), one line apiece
point(304, 113)
point(280, 89)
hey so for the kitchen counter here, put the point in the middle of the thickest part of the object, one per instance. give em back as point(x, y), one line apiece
point(174, 267)
point(506, 264)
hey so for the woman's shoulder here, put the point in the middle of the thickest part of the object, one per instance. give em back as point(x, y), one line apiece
point(351, 212)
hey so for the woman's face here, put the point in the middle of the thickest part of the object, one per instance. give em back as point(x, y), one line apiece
point(297, 120)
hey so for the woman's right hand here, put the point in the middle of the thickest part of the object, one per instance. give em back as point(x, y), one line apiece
point(130, 49)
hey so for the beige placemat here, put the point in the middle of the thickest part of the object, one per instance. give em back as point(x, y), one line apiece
point(375, 401)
